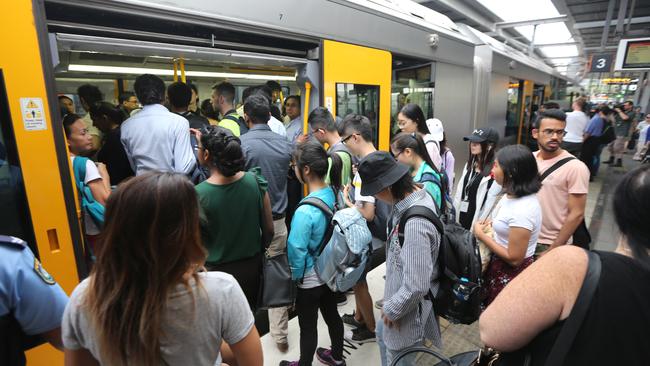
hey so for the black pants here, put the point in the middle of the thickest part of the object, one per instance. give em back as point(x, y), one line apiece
point(247, 272)
point(589, 151)
point(574, 148)
point(294, 195)
point(308, 302)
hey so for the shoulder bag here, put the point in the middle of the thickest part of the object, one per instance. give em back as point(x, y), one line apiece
point(94, 209)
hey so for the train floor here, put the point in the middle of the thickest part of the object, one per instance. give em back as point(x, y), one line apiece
point(461, 338)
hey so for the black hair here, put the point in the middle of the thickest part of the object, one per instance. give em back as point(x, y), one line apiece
point(225, 150)
point(274, 85)
point(68, 120)
point(485, 160)
point(413, 112)
point(356, 123)
point(150, 89)
point(179, 94)
point(257, 108)
point(90, 94)
point(554, 113)
point(631, 198)
point(413, 141)
point(605, 109)
point(265, 91)
point(208, 110)
point(312, 154)
point(403, 186)
point(322, 118)
point(193, 87)
point(294, 97)
point(125, 96)
point(107, 109)
point(226, 90)
point(520, 174)
point(551, 105)
point(443, 144)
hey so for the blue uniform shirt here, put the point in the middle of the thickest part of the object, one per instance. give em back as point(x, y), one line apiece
point(27, 290)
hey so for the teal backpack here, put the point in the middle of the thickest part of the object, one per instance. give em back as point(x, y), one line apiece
point(88, 204)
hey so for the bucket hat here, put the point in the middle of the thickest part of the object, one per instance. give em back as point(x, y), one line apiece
point(378, 171)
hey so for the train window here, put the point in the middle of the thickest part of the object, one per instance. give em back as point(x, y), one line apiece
point(15, 219)
point(359, 99)
point(413, 85)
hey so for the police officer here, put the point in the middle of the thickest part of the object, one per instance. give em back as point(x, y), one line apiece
point(31, 302)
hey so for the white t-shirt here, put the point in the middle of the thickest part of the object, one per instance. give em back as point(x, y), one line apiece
point(277, 126)
point(193, 325)
point(92, 173)
point(576, 122)
point(524, 212)
point(356, 183)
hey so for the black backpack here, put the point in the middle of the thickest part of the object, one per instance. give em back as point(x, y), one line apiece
point(243, 128)
point(458, 299)
point(608, 134)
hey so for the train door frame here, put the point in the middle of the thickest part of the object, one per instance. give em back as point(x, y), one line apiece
point(352, 64)
point(42, 151)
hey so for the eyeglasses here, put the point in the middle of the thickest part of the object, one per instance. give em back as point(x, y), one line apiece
point(398, 154)
point(550, 133)
point(345, 139)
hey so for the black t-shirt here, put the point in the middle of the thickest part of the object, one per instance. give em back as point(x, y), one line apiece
point(196, 121)
point(113, 155)
point(470, 187)
point(616, 328)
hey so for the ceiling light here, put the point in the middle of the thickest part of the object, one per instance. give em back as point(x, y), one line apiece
point(170, 72)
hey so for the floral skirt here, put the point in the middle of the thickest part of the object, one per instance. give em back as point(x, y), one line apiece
point(498, 275)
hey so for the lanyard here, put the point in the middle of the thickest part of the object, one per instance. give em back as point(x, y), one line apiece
point(472, 178)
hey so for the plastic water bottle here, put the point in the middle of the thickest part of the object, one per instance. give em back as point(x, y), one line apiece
point(462, 290)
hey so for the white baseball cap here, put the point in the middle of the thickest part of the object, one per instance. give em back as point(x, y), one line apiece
point(435, 129)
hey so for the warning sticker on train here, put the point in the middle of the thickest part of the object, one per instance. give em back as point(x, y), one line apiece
point(32, 112)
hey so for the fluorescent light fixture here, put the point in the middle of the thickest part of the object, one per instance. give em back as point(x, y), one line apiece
point(170, 72)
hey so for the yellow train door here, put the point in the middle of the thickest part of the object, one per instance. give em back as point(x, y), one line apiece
point(357, 80)
point(36, 196)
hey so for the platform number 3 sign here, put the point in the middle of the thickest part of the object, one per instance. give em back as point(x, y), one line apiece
point(601, 63)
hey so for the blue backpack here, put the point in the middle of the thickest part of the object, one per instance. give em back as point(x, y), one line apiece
point(88, 204)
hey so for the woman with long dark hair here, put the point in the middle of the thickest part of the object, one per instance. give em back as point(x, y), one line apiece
point(409, 149)
point(476, 189)
point(108, 119)
point(411, 119)
point(147, 301)
point(516, 220)
point(308, 226)
point(237, 211)
point(528, 315)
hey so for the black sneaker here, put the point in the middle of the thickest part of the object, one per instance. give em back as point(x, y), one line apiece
point(619, 163)
point(610, 161)
point(360, 335)
point(348, 319)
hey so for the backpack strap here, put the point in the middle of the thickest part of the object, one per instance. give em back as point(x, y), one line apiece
point(242, 125)
point(329, 214)
point(555, 167)
point(418, 211)
point(570, 329)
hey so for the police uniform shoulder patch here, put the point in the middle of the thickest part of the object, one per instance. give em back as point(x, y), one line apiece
point(42, 273)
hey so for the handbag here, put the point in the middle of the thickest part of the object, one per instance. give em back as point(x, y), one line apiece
point(565, 338)
point(581, 236)
point(483, 249)
point(93, 208)
point(420, 355)
point(277, 289)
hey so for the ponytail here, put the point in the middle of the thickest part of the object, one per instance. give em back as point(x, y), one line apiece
point(335, 170)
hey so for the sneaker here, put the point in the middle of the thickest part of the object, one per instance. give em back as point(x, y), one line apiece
point(610, 161)
point(341, 299)
point(379, 304)
point(324, 355)
point(348, 319)
point(289, 363)
point(360, 335)
point(619, 163)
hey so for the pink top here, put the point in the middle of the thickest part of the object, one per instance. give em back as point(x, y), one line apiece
point(571, 178)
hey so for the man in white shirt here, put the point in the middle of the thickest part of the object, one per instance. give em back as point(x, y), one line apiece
point(155, 138)
point(576, 123)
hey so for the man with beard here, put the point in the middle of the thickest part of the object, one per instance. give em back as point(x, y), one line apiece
point(564, 191)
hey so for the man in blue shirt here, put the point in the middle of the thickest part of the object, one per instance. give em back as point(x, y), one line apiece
point(155, 138)
point(272, 153)
point(591, 146)
point(31, 302)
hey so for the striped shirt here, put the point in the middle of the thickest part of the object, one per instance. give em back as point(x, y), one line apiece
point(411, 271)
